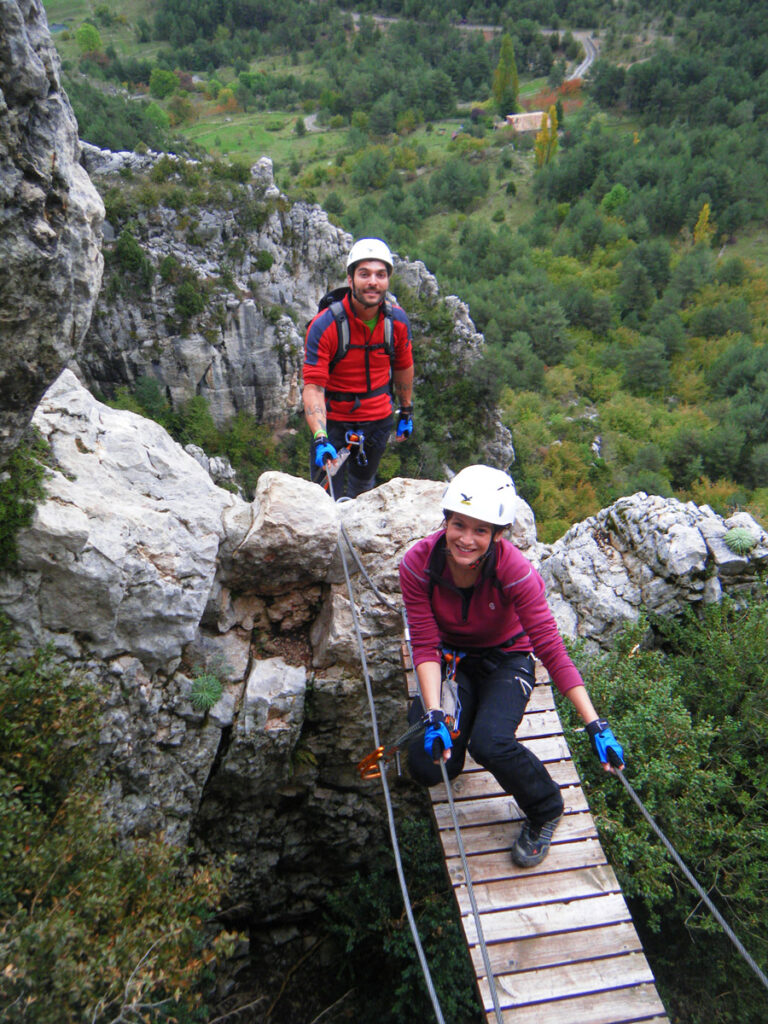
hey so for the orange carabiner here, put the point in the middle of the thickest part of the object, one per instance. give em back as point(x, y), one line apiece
point(369, 766)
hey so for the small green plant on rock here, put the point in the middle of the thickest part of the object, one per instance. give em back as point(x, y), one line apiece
point(206, 691)
point(740, 540)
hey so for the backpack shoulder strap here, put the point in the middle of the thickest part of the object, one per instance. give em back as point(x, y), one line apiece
point(389, 345)
point(339, 315)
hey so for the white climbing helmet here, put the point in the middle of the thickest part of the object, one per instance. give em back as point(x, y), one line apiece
point(483, 493)
point(370, 249)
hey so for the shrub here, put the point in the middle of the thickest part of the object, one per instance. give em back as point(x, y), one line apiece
point(90, 928)
point(189, 299)
point(264, 260)
point(686, 697)
point(740, 540)
point(206, 691)
point(367, 919)
point(21, 488)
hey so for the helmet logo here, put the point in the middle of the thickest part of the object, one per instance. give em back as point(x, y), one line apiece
point(466, 499)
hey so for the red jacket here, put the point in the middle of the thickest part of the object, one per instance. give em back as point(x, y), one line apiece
point(365, 367)
point(508, 603)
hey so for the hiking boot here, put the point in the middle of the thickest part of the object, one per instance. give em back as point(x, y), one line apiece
point(532, 845)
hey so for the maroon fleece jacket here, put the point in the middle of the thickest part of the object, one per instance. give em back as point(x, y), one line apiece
point(506, 608)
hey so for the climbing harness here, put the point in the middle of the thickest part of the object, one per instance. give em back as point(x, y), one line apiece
point(379, 770)
point(680, 863)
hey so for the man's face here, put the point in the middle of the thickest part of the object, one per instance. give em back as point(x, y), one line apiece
point(369, 282)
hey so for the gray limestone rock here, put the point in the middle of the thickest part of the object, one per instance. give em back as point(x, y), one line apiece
point(50, 227)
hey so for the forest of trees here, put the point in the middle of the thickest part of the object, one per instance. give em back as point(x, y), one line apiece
point(618, 294)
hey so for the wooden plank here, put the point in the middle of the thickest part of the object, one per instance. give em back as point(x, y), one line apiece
point(490, 867)
point(567, 980)
point(507, 894)
point(639, 1003)
point(560, 948)
point(488, 838)
point(549, 917)
point(501, 810)
point(539, 723)
point(477, 783)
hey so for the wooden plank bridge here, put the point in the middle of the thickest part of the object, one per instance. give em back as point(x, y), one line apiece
point(559, 936)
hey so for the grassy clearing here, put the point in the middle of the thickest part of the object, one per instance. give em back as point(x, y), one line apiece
point(66, 16)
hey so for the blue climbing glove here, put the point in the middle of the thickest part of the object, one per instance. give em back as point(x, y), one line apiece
point(404, 422)
point(436, 730)
point(605, 744)
point(322, 450)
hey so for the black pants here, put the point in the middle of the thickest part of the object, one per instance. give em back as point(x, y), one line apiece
point(358, 473)
point(493, 691)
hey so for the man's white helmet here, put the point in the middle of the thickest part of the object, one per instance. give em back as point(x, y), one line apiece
point(370, 249)
point(483, 493)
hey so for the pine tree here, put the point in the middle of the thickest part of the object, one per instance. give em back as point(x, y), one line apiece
point(505, 81)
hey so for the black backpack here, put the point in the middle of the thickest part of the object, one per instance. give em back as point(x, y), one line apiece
point(332, 300)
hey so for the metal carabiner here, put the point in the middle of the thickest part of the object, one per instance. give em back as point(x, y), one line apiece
point(358, 438)
point(451, 659)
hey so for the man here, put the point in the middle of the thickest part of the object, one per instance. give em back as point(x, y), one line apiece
point(349, 387)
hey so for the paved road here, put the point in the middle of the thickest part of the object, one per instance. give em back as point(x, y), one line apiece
point(590, 44)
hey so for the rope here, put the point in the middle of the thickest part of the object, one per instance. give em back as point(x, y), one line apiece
point(387, 796)
point(678, 860)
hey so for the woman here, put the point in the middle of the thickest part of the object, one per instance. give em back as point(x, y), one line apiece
point(476, 603)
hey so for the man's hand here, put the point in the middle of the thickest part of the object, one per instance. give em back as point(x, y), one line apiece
point(322, 450)
point(404, 421)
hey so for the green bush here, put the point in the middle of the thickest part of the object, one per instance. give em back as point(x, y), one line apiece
point(21, 488)
point(91, 928)
point(367, 919)
point(206, 691)
point(687, 700)
point(264, 260)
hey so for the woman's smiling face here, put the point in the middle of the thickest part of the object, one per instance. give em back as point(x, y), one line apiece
point(467, 539)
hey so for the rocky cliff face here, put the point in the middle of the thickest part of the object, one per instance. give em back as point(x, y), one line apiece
point(144, 575)
point(50, 226)
point(259, 265)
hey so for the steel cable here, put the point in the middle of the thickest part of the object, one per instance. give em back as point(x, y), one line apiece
point(678, 860)
point(387, 796)
point(467, 877)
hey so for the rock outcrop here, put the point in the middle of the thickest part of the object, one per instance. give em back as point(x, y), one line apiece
point(144, 575)
point(50, 228)
point(259, 265)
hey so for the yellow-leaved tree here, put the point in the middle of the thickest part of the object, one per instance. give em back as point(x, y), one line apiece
point(545, 145)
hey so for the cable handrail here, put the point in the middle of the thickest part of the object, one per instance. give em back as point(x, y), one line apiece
point(387, 796)
point(702, 894)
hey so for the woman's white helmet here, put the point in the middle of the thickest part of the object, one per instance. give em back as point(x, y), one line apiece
point(370, 249)
point(483, 493)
